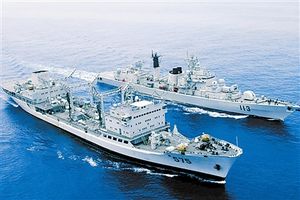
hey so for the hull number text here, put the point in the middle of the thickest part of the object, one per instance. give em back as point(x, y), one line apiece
point(183, 160)
point(245, 108)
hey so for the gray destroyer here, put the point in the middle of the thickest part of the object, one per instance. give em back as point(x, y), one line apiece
point(197, 86)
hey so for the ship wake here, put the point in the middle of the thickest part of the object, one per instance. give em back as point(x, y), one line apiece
point(120, 166)
point(8, 100)
point(193, 110)
point(90, 161)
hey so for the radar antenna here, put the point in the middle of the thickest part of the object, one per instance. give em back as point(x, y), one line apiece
point(155, 59)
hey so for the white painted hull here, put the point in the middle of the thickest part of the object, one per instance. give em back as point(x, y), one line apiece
point(278, 112)
point(199, 164)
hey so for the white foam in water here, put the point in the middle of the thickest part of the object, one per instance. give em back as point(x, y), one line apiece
point(147, 171)
point(8, 100)
point(73, 157)
point(207, 180)
point(138, 169)
point(212, 113)
point(91, 161)
point(59, 155)
point(113, 165)
point(32, 148)
point(117, 166)
point(162, 174)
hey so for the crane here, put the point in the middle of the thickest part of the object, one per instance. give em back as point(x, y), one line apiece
point(98, 97)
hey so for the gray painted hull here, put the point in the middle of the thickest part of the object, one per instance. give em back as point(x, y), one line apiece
point(277, 112)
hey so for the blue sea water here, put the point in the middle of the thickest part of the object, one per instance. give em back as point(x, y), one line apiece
point(253, 44)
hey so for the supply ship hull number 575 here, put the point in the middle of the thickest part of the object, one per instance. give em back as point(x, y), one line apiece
point(183, 160)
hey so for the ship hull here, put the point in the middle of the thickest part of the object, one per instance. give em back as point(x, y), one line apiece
point(277, 112)
point(201, 166)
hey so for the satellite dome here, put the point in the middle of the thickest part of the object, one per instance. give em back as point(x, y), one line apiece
point(249, 95)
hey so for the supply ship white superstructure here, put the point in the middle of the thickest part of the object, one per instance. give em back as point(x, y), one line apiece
point(133, 128)
point(198, 86)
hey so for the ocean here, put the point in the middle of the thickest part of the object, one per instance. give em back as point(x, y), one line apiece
point(255, 45)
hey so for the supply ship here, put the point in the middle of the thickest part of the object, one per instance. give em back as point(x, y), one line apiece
point(133, 128)
point(199, 87)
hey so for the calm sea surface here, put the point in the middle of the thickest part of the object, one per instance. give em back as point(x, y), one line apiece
point(254, 45)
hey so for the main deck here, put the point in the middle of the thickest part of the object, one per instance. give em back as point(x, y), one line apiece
point(195, 146)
